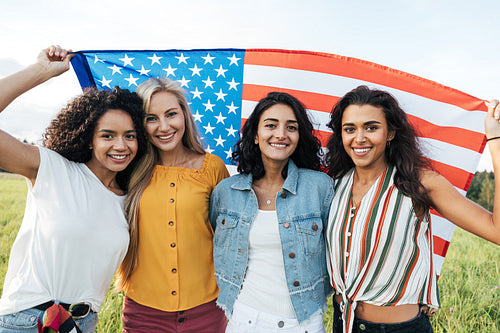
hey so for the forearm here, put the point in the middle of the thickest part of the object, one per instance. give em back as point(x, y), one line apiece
point(18, 83)
point(494, 146)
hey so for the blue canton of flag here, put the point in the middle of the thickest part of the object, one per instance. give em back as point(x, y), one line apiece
point(212, 81)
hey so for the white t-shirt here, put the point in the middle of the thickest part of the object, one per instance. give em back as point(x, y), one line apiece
point(72, 239)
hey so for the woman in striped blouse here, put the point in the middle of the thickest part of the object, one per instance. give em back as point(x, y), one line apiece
point(378, 236)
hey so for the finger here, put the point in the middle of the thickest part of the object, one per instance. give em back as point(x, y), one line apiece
point(493, 108)
point(50, 51)
point(57, 51)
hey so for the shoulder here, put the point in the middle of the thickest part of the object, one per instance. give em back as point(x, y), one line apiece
point(48, 156)
point(230, 181)
point(315, 176)
point(432, 180)
point(214, 168)
point(214, 162)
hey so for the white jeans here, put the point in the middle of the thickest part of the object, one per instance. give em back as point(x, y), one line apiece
point(249, 320)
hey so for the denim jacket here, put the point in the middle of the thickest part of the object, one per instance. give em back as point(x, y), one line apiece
point(302, 208)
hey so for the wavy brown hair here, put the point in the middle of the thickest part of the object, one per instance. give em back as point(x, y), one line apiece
point(404, 150)
point(247, 153)
point(70, 133)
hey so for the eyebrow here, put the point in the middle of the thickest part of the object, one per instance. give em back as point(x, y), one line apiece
point(274, 119)
point(164, 111)
point(371, 122)
point(104, 130)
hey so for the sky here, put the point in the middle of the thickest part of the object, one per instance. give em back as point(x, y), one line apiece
point(453, 42)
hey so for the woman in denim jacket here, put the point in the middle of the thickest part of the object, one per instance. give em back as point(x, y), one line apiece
point(269, 249)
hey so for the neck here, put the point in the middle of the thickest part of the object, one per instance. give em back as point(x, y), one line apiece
point(368, 175)
point(107, 177)
point(175, 157)
point(273, 169)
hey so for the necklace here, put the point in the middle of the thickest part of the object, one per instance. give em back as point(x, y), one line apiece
point(268, 202)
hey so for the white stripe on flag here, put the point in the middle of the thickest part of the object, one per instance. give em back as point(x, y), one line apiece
point(438, 113)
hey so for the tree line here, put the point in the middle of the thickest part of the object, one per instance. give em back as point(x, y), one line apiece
point(482, 189)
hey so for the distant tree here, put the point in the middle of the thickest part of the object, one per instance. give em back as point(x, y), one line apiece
point(482, 189)
point(487, 194)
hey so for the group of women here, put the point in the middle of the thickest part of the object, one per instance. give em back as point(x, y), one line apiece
point(263, 248)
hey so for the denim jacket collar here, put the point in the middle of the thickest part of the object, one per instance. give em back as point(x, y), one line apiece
point(290, 185)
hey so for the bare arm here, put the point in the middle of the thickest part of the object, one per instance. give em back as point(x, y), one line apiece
point(462, 211)
point(16, 156)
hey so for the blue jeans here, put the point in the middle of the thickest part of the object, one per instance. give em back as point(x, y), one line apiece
point(25, 322)
point(419, 324)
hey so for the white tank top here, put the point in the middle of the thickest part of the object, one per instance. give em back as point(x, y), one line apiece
point(264, 286)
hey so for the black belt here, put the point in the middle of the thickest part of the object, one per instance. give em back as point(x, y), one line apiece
point(78, 310)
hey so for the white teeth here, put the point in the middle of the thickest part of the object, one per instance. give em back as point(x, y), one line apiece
point(118, 157)
point(166, 137)
point(361, 150)
point(278, 145)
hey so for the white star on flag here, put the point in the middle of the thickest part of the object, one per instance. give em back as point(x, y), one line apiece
point(233, 60)
point(170, 70)
point(127, 61)
point(182, 59)
point(155, 60)
point(131, 80)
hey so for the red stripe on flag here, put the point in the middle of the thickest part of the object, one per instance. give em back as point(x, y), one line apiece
point(322, 136)
point(312, 101)
point(457, 177)
point(440, 245)
point(362, 70)
point(453, 135)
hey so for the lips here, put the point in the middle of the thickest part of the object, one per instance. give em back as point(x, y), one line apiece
point(119, 157)
point(361, 150)
point(278, 145)
point(166, 137)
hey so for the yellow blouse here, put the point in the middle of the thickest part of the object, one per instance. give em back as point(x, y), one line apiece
point(175, 269)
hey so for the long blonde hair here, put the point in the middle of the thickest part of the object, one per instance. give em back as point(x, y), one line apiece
point(143, 172)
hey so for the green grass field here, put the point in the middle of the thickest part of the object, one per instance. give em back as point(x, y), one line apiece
point(469, 282)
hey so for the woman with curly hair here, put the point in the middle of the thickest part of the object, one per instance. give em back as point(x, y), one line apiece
point(379, 236)
point(74, 234)
point(269, 250)
point(167, 274)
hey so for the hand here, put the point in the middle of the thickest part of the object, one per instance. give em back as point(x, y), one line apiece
point(428, 311)
point(492, 119)
point(55, 60)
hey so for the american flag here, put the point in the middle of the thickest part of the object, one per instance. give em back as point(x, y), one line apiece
point(223, 86)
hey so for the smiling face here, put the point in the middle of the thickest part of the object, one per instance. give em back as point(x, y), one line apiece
point(114, 144)
point(365, 135)
point(277, 134)
point(165, 123)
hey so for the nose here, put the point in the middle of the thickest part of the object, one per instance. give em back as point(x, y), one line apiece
point(360, 136)
point(164, 125)
point(120, 143)
point(280, 133)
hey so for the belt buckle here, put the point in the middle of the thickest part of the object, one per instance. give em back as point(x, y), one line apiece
point(79, 310)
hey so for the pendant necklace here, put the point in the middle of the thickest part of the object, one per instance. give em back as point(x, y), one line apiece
point(268, 202)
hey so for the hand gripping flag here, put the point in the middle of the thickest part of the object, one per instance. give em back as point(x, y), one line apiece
point(223, 86)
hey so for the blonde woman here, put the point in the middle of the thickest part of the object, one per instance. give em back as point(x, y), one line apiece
point(168, 275)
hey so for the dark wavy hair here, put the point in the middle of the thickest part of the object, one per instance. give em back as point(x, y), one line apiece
point(404, 151)
point(70, 133)
point(247, 153)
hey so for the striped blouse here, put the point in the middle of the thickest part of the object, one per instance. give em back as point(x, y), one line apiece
point(379, 252)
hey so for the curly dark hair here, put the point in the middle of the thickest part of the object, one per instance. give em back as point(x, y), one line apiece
point(70, 134)
point(404, 151)
point(247, 153)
